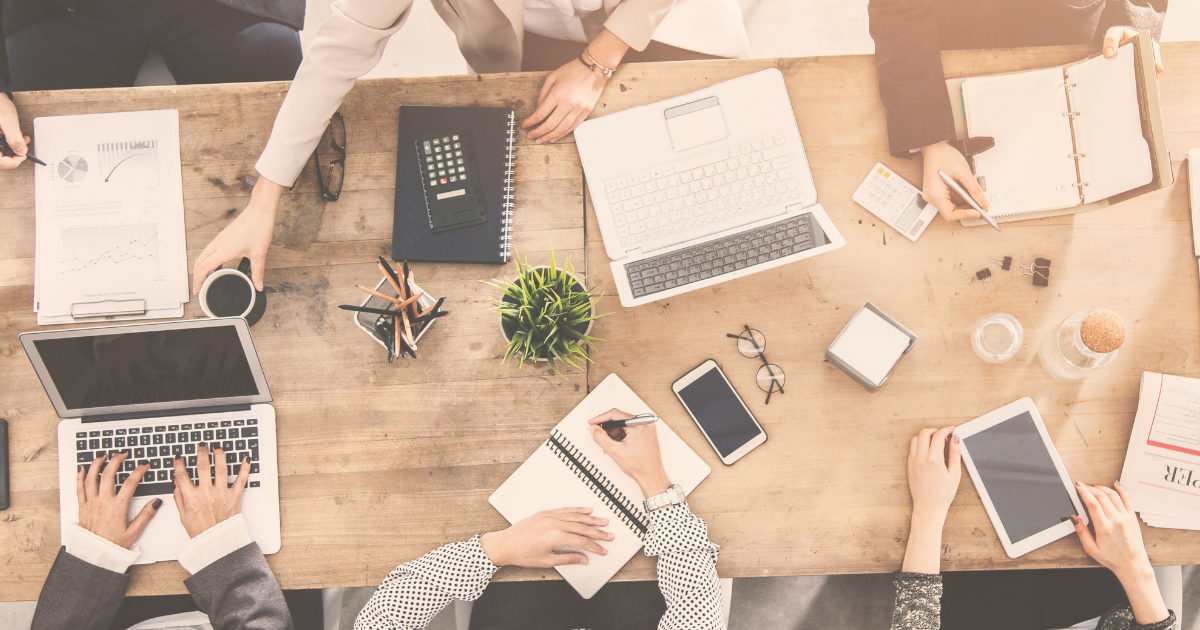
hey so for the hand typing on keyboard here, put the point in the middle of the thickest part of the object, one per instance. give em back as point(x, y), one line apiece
point(212, 499)
point(103, 510)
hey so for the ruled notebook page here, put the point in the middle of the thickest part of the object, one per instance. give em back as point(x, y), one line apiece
point(1108, 129)
point(1031, 167)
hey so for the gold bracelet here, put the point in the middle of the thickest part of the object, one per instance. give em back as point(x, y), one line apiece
point(594, 65)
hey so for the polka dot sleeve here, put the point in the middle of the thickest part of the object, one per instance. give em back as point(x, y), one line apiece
point(687, 569)
point(415, 592)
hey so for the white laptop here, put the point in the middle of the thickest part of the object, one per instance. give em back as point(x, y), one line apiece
point(159, 390)
point(703, 188)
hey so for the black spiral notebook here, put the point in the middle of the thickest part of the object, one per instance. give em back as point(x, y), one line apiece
point(492, 133)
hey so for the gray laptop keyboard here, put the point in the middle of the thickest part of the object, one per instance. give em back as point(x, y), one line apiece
point(725, 255)
point(671, 198)
point(159, 444)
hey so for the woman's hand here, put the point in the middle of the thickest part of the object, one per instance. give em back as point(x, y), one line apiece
point(103, 510)
point(943, 157)
point(547, 539)
point(10, 128)
point(1117, 545)
point(934, 471)
point(249, 235)
point(1117, 35)
point(212, 500)
point(635, 449)
point(570, 93)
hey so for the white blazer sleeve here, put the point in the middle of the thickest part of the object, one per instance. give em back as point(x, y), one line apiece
point(347, 45)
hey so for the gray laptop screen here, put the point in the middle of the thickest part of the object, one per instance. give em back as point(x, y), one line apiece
point(146, 367)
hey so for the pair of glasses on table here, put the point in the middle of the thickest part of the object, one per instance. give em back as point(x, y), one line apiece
point(331, 158)
point(753, 345)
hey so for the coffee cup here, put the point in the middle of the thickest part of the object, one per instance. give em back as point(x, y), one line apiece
point(231, 293)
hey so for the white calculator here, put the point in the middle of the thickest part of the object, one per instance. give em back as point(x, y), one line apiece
point(895, 201)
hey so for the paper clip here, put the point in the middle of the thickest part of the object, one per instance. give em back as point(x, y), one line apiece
point(1039, 271)
point(1005, 264)
point(984, 274)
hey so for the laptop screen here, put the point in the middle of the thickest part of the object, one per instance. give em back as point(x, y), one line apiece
point(125, 366)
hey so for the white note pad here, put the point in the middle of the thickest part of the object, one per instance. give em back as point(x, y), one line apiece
point(871, 345)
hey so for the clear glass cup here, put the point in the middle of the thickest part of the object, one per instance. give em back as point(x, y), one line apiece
point(997, 337)
point(1063, 353)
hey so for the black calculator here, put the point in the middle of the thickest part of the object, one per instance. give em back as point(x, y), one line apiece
point(453, 193)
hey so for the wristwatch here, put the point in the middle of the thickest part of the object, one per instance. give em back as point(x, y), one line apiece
point(673, 496)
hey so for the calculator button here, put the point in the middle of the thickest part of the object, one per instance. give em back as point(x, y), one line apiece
point(442, 180)
point(433, 182)
point(446, 140)
point(453, 178)
point(455, 137)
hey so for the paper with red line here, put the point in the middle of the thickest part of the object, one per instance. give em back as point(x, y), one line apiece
point(1162, 464)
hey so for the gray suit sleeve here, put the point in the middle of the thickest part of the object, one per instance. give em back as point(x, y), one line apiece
point(240, 592)
point(1140, 15)
point(78, 595)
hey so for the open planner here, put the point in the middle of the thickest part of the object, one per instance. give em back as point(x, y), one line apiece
point(1067, 137)
point(570, 470)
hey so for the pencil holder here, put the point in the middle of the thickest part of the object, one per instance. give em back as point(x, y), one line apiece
point(371, 323)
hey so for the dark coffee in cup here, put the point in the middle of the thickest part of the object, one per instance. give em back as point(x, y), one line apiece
point(229, 296)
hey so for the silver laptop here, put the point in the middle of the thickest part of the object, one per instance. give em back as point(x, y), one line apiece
point(703, 188)
point(157, 391)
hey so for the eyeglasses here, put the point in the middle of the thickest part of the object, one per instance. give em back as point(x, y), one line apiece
point(753, 345)
point(331, 158)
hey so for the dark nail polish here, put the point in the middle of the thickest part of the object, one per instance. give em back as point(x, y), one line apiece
point(246, 459)
point(81, 468)
point(157, 503)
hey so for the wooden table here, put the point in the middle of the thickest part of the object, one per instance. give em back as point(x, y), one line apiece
point(380, 464)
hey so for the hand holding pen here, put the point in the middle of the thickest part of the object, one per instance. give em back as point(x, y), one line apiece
point(941, 157)
point(11, 140)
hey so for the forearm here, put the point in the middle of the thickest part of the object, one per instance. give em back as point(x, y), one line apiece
point(1145, 599)
point(924, 551)
point(78, 595)
point(415, 592)
point(687, 569)
point(608, 49)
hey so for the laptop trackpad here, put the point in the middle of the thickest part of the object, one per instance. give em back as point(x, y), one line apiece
point(696, 123)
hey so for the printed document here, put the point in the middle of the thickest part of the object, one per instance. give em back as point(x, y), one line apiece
point(109, 218)
point(1162, 465)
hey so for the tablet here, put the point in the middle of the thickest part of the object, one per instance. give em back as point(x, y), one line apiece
point(1016, 469)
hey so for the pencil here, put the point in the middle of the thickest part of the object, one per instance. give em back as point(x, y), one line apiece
point(396, 321)
point(409, 302)
point(380, 295)
point(391, 276)
point(432, 309)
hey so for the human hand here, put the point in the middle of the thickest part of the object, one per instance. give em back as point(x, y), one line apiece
point(1117, 544)
point(103, 510)
point(249, 235)
point(567, 97)
point(933, 472)
point(10, 127)
point(941, 156)
point(1117, 35)
point(635, 449)
point(211, 500)
point(547, 539)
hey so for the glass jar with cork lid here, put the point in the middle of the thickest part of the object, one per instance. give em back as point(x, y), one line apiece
point(1086, 341)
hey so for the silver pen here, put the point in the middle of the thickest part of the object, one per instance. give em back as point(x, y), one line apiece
point(641, 418)
point(962, 193)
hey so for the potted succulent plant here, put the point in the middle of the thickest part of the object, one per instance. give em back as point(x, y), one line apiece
point(546, 314)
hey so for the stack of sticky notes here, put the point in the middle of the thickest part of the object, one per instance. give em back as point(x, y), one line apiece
point(869, 346)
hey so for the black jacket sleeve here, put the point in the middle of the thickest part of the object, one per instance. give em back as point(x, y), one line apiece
point(1140, 15)
point(4, 75)
point(911, 83)
point(239, 592)
point(78, 595)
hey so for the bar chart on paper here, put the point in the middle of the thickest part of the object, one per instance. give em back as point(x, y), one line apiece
point(132, 162)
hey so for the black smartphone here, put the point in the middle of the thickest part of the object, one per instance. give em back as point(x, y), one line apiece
point(723, 418)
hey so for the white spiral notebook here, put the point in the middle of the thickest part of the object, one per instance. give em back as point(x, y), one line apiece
point(570, 470)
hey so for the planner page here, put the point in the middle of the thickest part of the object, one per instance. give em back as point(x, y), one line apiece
point(1108, 130)
point(1031, 168)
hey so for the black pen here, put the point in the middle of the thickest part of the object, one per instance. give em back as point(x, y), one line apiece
point(4, 146)
point(640, 419)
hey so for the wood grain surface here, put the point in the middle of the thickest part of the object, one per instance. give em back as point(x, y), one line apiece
point(380, 464)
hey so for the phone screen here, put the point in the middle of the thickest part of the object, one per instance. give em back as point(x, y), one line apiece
point(719, 412)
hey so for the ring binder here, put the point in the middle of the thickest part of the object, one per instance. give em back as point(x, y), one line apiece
point(1071, 114)
point(509, 198)
point(598, 482)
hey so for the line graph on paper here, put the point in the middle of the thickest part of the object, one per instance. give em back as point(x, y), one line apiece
point(130, 162)
point(99, 255)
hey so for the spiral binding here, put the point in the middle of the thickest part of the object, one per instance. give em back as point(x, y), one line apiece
point(600, 484)
point(1067, 84)
point(510, 164)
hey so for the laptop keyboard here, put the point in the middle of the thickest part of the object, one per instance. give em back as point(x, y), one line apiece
point(158, 444)
point(679, 196)
point(725, 255)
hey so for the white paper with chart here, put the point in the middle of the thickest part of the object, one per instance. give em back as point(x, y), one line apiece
point(109, 225)
point(570, 470)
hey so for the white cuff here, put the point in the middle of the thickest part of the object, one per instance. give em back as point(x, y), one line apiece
point(102, 552)
point(214, 543)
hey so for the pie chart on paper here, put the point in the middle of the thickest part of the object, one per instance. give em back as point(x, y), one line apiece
point(72, 169)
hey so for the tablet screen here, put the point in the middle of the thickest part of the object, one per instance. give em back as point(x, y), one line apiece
point(1020, 477)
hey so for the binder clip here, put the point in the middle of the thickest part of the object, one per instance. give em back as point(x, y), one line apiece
point(1039, 271)
point(984, 274)
point(1005, 264)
